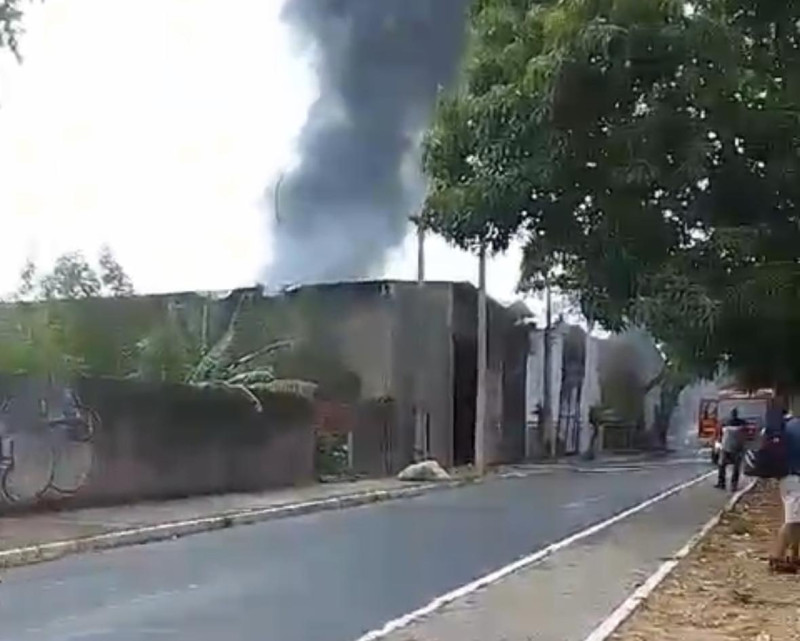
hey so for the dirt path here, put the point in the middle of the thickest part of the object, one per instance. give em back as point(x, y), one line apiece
point(724, 591)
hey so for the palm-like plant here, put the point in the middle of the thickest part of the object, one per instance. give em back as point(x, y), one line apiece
point(173, 352)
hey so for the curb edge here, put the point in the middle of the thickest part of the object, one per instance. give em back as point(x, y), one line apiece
point(51, 551)
point(640, 595)
point(42, 552)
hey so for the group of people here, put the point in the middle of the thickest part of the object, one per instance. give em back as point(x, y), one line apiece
point(784, 428)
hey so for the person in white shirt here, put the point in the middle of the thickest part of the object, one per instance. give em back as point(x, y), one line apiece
point(731, 450)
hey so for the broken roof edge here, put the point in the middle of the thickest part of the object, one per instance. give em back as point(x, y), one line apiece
point(517, 308)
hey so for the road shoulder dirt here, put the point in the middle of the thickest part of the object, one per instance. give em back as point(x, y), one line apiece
point(723, 591)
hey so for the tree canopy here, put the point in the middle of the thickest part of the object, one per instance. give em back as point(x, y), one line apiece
point(80, 320)
point(43, 332)
point(72, 277)
point(10, 19)
point(646, 153)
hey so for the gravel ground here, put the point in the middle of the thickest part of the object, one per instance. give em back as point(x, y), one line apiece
point(724, 591)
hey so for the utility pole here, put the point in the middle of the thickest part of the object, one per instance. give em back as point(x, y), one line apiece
point(420, 252)
point(421, 444)
point(480, 396)
point(549, 425)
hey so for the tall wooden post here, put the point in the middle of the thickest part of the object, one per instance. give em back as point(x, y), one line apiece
point(480, 396)
point(421, 445)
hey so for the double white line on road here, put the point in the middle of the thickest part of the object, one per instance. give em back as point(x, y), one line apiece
point(536, 557)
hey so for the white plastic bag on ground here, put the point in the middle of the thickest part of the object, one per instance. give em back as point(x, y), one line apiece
point(424, 471)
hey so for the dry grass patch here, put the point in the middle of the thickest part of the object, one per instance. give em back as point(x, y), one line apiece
point(724, 591)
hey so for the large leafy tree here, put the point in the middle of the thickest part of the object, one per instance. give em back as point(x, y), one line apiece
point(72, 277)
point(112, 276)
point(646, 152)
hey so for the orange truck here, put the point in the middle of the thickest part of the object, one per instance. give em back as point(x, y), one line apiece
point(751, 406)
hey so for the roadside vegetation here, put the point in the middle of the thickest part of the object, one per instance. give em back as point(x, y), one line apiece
point(644, 151)
point(82, 320)
point(61, 323)
point(10, 24)
point(724, 589)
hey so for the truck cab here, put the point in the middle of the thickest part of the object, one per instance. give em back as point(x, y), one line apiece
point(752, 407)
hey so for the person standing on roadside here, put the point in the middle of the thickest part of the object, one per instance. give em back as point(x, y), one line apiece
point(731, 450)
point(789, 535)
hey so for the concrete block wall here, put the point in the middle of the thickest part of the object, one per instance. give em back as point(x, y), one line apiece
point(423, 364)
point(102, 441)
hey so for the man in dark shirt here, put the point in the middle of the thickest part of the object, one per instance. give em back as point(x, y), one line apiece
point(789, 535)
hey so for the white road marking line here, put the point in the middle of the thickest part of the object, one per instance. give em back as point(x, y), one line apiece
point(584, 502)
point(497, 575)
point(629, 605)
point(611, 470)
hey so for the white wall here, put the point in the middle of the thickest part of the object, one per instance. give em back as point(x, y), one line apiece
point(534, 383)
point(590, 392)
point(648, 365)
point(556, 367)
point(534, 388)
point(534, 392)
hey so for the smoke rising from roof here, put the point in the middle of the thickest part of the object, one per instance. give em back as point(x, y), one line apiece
point(380, 64)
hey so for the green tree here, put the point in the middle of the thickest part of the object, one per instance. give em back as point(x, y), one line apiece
point(647, 148)
point(27, 281)
point(112, 276)
point(32, 342)
point(168, 352)
point(71, 278)
point(10, 24)
point(45, 331)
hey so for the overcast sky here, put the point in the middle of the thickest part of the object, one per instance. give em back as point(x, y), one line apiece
point(155, 126)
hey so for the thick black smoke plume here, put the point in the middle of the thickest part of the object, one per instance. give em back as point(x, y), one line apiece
point(380, 64)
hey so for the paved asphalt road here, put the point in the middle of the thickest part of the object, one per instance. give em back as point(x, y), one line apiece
point(324, 577)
